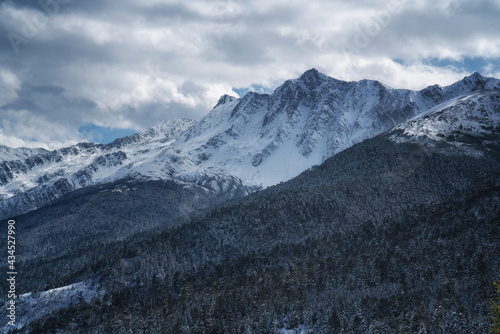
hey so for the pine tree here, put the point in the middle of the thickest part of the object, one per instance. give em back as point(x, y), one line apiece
point(495, 310)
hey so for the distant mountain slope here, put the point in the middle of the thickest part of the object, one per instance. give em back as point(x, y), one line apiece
point(260, 139)
point(398, 233)
point(97, 215)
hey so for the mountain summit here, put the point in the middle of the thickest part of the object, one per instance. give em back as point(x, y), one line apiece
point(254, 141)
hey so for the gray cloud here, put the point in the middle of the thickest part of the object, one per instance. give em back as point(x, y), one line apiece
point(132, 64)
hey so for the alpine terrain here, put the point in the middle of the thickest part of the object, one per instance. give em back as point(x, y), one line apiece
point(324, 207)
point(243, 144)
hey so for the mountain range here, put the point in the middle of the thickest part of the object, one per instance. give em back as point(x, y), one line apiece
point(248, 143)
point(324, 207)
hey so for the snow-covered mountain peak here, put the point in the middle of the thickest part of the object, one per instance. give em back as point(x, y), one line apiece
point(225, 99)
point(312, 78)
point(264, 138)
point(312, 73)
point(471, 83)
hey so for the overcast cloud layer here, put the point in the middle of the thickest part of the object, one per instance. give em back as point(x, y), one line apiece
point(68, 65)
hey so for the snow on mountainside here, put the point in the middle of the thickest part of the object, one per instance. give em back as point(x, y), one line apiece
point(31, 306)
point(9, 154)
point(260, 139)
point(474, 114)
point(458, 122)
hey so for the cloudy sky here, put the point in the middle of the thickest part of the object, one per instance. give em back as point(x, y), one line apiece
point(75, 70)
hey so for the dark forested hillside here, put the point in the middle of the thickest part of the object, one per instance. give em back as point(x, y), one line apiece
point(385, 237)
point(87, 221)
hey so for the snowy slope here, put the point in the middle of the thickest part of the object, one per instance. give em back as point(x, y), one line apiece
point(31, 306)
point(10, 154)
point(260, 139)
point(457, 121)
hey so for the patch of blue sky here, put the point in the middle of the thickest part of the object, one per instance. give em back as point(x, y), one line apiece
point(467, 64)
